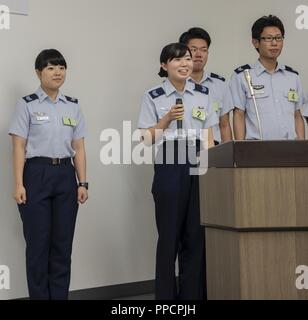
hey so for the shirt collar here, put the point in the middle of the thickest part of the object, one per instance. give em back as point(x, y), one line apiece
point(62, 97)
point(259, 68)
point(43, 96)
point(204, 78)
point(169, 88)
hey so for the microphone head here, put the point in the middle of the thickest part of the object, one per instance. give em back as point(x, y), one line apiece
point(247, 75)
point(248, 80)
point(179, 101)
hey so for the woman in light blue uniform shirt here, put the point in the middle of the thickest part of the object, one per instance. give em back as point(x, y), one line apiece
point(48, 131)
point(175, 191)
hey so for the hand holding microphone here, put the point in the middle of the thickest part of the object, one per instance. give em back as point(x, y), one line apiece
point(179, 122)
point(177, 112)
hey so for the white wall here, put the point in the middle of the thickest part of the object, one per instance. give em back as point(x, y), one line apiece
point(112, 48)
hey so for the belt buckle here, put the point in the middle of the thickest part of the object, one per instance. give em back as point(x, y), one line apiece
point(56, 161)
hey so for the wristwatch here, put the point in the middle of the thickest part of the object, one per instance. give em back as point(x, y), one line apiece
point(83, 184)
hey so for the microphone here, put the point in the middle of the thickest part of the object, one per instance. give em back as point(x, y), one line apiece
point(179, 123)
point(179, 101)
point(252, 93)
point(249, 82)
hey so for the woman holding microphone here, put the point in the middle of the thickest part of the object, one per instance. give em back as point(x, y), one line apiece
point(176, 103)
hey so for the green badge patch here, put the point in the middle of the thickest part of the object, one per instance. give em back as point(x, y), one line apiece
point(198, 113)
point(293, 96)
point(69, 122)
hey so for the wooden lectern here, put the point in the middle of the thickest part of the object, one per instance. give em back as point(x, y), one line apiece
point(254, 205)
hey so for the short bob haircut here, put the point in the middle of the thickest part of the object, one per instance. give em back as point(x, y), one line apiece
point(49, 56)
point(195, 33)
point(171, 51)
point(266, 21)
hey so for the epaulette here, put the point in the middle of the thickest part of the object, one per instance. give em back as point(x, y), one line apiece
point(202, 89)
point(242, 68)
point(216, 76)
point(31, 97)
point(74, 100)
point(157, 93)
point(290, 70)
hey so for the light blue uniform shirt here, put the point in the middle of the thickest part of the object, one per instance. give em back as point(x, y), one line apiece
point(49, 127)
point(278, 96)
point(160, 99)
point(221, 97)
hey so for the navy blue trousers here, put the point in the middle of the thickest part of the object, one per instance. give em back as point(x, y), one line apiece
point(49, 217)
point(180, 235)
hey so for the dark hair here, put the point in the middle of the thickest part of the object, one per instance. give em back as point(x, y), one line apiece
point(195, 33)
point(266, 21)
point(52, 56)
point(171, 51)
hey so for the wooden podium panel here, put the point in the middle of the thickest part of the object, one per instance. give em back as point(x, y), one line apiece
point(254, 265)
point(255, 197)
point(254, 205)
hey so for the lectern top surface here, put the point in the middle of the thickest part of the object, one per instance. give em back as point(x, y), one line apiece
point(255, 153)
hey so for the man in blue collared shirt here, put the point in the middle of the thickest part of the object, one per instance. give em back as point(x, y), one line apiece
point(198, 40)
point(277, 89)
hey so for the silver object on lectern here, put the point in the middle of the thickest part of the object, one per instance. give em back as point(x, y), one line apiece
point(252, 93)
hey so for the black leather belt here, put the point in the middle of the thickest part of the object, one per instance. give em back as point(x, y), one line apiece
point(50, 161)
point(183, 142)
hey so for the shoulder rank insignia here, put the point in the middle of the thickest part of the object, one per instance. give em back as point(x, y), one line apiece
point(290, 70)
point(216, 76)
point(74, 100)
point(31, 97)
point(242, 68)
point(202, 89)
point(157, 93)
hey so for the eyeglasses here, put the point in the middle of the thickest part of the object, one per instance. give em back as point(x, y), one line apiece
point(195, 49)
point(270, 38)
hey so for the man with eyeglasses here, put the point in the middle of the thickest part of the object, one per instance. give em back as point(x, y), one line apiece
point(277, 89)
point(198, 41)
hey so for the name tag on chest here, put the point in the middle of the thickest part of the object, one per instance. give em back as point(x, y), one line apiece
point(69, 122)
point(293, 96)
point(42, 118)
point(199, 113)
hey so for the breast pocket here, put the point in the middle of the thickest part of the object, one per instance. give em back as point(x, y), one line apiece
point(68, 125)
point(40, 126)
point(262, 101)
point(289, 102)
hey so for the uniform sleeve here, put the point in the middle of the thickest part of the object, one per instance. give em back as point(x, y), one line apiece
point(301, 95)
point(238, 92)
point(227, 102)
point(148, 117)
point(304, 108)
point(80, 131)
point(20, 123)
point(212, 118)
